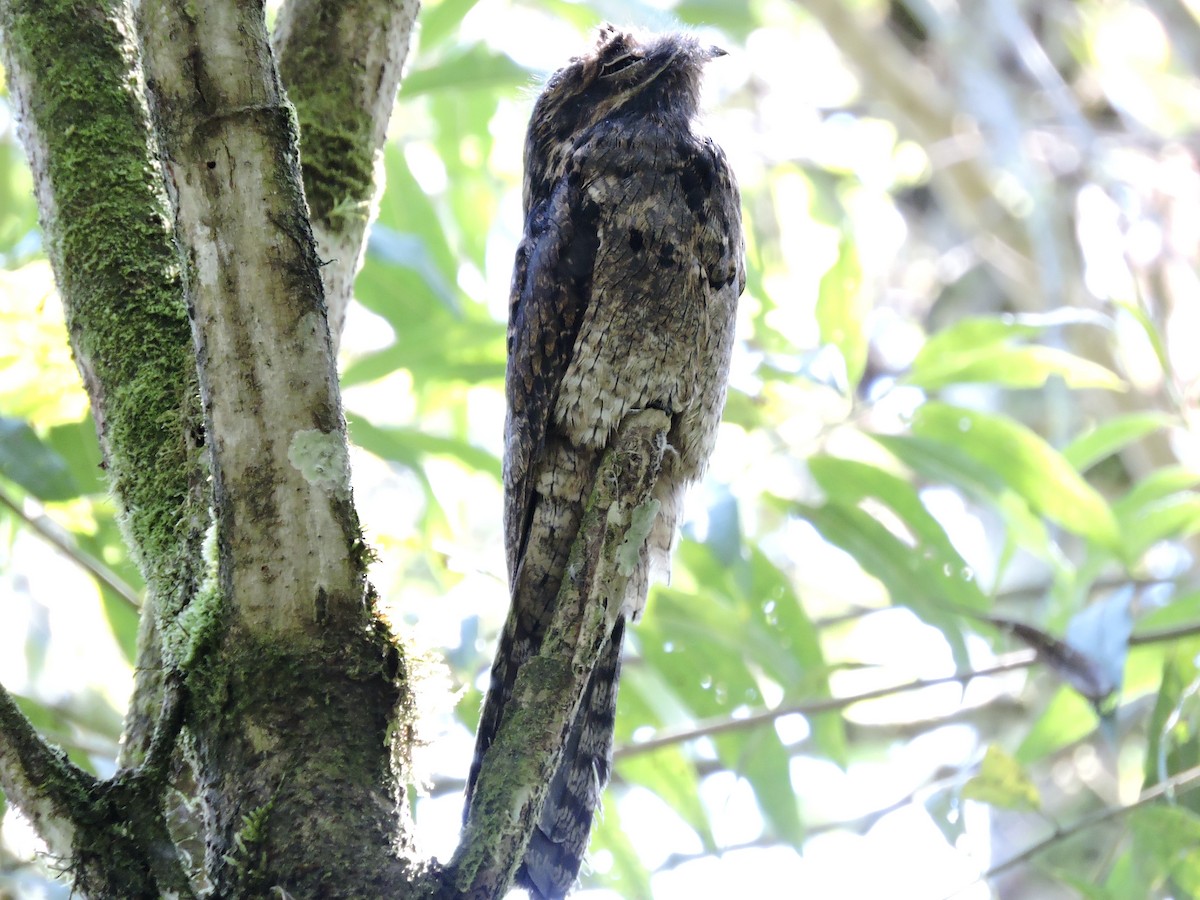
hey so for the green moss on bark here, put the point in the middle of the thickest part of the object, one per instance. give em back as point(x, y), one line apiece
point(336, 146)
point(291, 716)
point(108, 236)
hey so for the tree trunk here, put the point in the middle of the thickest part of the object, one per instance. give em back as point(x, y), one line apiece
point(214, 386)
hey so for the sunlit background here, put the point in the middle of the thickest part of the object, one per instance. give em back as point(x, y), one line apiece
point(963, 395)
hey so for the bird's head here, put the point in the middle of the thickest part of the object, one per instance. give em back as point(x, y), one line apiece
point(626, 73)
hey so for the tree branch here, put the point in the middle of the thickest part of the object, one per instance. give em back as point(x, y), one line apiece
point(1009, 663)
point(42, 783)
point(291, 597)
point(340, 61)
point(53, 534)
point(1180, 783)
point(112, 832)
point(281, 477)
point(518, 766)
point(107, 233)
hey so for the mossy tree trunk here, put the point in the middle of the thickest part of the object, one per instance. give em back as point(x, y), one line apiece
point(165, 157)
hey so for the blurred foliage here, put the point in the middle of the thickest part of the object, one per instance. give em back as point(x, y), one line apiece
point(961, 430)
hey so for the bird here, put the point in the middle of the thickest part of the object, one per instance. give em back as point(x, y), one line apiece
point(624, 296)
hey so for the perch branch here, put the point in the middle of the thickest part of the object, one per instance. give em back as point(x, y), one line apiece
point(518, 766)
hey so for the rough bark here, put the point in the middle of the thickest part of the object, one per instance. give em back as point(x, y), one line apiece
point(112, 834)
point(296, 697)
point(106, 225)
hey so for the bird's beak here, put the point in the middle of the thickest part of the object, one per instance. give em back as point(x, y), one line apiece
point(715, 51)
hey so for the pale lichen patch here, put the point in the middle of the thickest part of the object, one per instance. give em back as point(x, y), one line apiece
point(641, 523)
point(320, 457)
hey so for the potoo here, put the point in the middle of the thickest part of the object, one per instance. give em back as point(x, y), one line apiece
point(623, 298)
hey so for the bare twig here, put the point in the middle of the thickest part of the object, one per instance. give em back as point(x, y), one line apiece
point(1180, 783)
point(1009, 663)
point(51, 532)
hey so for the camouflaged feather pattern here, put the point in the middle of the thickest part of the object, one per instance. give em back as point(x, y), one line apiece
point(624, 296)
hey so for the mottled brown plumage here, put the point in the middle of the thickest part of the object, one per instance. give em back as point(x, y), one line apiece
point(623, 297)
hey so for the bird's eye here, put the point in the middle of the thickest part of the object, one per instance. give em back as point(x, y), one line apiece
point(620, 64)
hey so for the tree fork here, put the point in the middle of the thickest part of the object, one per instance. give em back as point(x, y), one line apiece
point(295, 704)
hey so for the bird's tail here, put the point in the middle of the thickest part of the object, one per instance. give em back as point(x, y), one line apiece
point(558, 842)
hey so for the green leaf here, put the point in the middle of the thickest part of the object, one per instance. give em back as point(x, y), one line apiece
point(841, 313)
point(969, 336)
point(1111, 436)
point(1149, 329)
point(922, 581)
point(406, 208)
point(992, 350)
point(1002, 782)
point(1173, 743)
point(1165, 838)
point(439, 21)
point(1183, 609)
point(943, 463)
point(669, 774)
point(690, 645)
point(1162, 505)
point(849, 482)
point(786, 643)
point(25, 459)
point(1085, 888)
point(1158, 485)
point(411, 252)
point(1013, 367)
point(760, 757)
point(1067, 718)
point(1027, 464)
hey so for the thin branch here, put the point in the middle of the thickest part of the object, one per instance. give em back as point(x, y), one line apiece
point(813, 706)
point(858, 825)
point(1009, 663)
point(517, 768)
point(1163, 635)
point(1179, 783)
point(52, 533)
point(112, 832)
